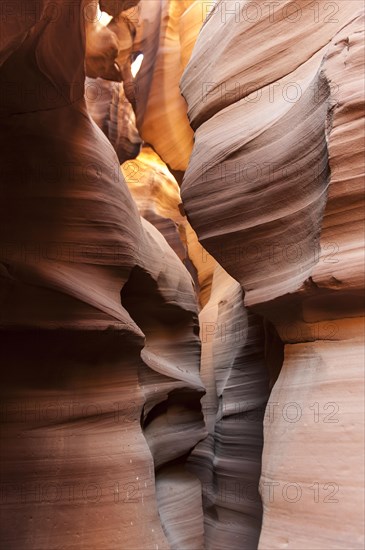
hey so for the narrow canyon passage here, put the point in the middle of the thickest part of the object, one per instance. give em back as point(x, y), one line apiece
point(182, 275)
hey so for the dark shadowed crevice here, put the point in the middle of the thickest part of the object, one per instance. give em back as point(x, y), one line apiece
point(274, 352)
point(171, 420)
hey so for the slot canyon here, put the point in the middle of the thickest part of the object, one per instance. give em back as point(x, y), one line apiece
point(182, 274)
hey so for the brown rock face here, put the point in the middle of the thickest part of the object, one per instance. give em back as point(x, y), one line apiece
point(234, 371)
point(165, 124)
point(181, 275)
point(272, 191)
point(99, 320)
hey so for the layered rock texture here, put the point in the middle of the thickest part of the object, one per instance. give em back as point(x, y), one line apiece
point(182, 275)
point(276, 198)
point(99, 318)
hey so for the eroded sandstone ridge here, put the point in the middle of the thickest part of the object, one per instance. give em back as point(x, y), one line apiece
point(100, 343)
point(273, 190)
point(181, 274)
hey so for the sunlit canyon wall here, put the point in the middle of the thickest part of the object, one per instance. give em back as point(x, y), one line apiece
point(182, 275)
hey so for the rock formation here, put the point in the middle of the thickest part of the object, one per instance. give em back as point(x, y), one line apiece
point(165, 124)
point(181, 275)
point(98, 314)
point(275, 198)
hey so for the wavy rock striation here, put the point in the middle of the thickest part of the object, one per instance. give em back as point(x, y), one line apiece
point(131, 417)
point(87, 391)
point(163, 122)
point(111, 111)
point(275, 199)
point(235, 374)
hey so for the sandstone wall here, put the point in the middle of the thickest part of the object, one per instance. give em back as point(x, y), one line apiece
point(182, 370)
point(274, 197)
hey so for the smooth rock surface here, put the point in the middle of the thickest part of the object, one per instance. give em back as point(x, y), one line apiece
point(182, 371)
point(275, 200)
point(76, 464)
